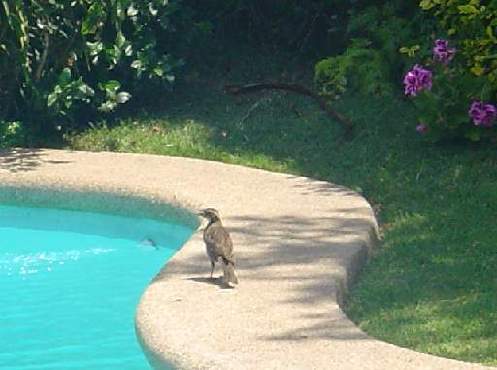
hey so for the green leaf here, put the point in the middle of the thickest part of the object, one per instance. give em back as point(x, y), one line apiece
point(112, 86)
point(473, 135)
point(158, 71)
point(426, 4)
point(120, 40)
point(93, 19)
point(477, 70)
point(137, 64)
point(132, 11)
point(107, 106)
point(85, 89)
point(410, 51)
point(128, 51)
point(65, 76)
point(490, 33)
point(6, 8)
point(95, 47)
point(123, 97)
point(52, 99)
point(152, 10)
point(468, 9)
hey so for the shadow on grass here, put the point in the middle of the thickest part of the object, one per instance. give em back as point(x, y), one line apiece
point(400, 175)
point(435, 269)
point(432, 287)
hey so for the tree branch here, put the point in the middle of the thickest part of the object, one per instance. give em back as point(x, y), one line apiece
point(44, 57)
point(296, 88)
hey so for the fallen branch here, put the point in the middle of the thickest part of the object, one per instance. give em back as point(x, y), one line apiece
point(296, 88)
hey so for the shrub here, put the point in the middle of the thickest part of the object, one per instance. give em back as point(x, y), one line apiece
point(11, 134)
point(451, 102)
point(62, 61)
point(472, 23)
point(360, 67)
point(371, 63)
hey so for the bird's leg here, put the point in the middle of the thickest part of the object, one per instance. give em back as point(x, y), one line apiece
point(212, 270)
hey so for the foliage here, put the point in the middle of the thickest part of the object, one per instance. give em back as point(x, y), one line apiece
point(389, 27)
point(443, 107)
point(61, 60)
point(302, 26)
point(334, 75)
point(12, 134)
point(472, 23)
point(371, 62)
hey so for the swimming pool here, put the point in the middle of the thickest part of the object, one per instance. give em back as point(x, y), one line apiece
point(71, 281)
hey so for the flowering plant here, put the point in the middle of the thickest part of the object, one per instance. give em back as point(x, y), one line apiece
point(451, 102)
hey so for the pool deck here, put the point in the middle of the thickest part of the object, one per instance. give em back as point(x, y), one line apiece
point(299, 244)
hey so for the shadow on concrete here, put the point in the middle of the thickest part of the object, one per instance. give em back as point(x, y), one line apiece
point(24, 160)
point(287, 248)
point(311, 186)
point(324, 328)
point(211, 281)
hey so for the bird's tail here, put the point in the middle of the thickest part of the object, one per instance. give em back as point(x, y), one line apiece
point(229, 275)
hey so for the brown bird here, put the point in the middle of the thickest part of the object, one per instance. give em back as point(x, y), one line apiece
point(219, 245)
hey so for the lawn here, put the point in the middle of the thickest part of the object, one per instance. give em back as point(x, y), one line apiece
point(432, 283)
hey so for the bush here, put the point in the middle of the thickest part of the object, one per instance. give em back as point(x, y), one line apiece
point(451, 102)
point(460, 103)
point(12, 134)
point(61, 62)
point(334, 75)
point(472, 24)
point(371, 63)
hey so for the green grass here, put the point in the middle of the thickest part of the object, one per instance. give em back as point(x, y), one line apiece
point(432, 284)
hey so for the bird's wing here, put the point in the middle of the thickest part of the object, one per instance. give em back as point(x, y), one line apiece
point(219, 239)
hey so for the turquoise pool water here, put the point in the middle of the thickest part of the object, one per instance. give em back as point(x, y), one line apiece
point(70, 282)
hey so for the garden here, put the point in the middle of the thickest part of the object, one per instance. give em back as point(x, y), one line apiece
point(395, 100)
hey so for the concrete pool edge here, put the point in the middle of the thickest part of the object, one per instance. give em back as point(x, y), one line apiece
point(299, 243)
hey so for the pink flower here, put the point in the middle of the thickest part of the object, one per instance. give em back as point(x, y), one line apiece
point(442, 53)
point(417, 80)
point(421, 128)
point(482, 114)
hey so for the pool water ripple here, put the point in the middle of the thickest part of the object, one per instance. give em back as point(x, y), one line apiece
point(70, 285)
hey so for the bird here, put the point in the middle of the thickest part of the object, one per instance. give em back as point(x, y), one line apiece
point(219, 245)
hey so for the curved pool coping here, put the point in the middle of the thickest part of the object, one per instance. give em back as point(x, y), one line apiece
point(299, 244)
